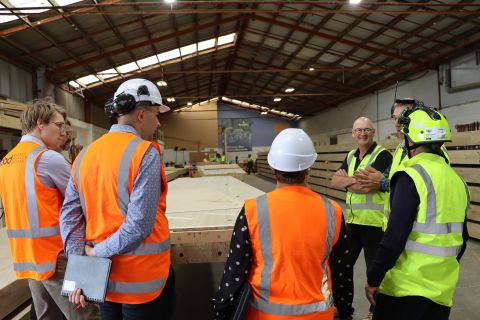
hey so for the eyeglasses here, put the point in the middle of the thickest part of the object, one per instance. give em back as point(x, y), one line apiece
point(61, 125)
point(363, 130)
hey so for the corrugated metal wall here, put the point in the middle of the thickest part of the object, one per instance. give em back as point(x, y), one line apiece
point(15, 83)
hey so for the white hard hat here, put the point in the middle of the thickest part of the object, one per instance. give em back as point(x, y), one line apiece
point(142, 90)
point(292, 150)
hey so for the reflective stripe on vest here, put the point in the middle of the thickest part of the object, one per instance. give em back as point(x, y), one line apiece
point(262, 304)
point(368, 205)
point(431, 226)
point(38, 268)
point(35, 230)
point(122, 176)
point(150, 248)
point(77, 178)
point(135, 287)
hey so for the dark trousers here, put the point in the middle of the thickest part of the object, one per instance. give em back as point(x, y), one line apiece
point(250, 167)
point(160, 308)
point(366, 237)
point(409, 308)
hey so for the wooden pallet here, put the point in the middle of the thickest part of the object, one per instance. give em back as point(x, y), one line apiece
point(464, 153)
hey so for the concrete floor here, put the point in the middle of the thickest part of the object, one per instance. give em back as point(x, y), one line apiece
point(197, 283)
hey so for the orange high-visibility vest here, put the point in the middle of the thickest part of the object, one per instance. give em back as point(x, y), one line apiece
point(292, 231)
point(32, 214)
point(104, 175)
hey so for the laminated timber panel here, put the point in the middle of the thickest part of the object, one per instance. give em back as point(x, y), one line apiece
point(201, 214)
point(14, 294)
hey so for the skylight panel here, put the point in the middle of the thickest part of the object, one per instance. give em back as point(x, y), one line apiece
point(85, 81)
point(185, 51)
point(169, 55)
point(6, 18)
point(105, 74)
point(142, 63)
point(127, 67)
point(229, 38)
point(31, 3)
point(74, 84)
point(66, 2)
point(207, 44)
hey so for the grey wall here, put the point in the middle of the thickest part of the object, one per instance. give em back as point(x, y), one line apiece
point(15, 83)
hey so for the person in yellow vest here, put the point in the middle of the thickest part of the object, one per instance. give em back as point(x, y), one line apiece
point(288, 245)
point(370, 178)
point(115, 208)
point(250, 164)
point(415, 271)
point(365, 208)
point(33, 178)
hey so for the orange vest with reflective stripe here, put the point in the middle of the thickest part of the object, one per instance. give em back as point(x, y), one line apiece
point(32, 213)
point(104, 175)
point(292, 231)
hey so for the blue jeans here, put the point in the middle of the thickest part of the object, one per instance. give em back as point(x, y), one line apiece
point(160, 308)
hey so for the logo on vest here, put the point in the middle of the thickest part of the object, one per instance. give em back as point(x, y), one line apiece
point(14, 158)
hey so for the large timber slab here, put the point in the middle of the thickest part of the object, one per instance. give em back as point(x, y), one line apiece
point(13, 293)
point(201, 214)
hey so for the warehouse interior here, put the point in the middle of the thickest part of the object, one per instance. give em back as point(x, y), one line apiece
point(235, 74)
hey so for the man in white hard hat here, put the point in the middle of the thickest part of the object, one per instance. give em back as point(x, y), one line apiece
point(288, 245)
point(116, 200)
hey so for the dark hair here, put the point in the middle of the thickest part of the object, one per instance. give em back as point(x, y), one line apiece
point(296, 177)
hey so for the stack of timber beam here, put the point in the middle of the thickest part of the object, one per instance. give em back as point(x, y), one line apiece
point(14, 294)
point(212, 170)
point(174, 173)
point(464, 153)
point(201, 214)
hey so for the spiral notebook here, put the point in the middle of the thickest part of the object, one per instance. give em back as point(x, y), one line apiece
point(89, 274)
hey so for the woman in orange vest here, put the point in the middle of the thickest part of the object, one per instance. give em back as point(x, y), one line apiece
point(33, 179)
point(288, 246)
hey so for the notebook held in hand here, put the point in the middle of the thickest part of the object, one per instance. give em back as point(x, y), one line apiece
point(89, 274)
point(241, 304)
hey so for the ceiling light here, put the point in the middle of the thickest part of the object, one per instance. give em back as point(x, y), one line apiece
point(169, 1)
point(288, 90)
point(277, 99)
point(171, 99)
point(162, 83)
point(355, 1)
point(264, 113)
point(189, 103)
point(311, 69)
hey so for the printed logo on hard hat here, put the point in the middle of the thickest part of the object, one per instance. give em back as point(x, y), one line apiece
point(124, 103)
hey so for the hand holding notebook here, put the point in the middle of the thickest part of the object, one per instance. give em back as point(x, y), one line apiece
point(89, 274)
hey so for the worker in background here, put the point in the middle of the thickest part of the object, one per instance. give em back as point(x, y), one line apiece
point(289, 245)
point(122, 211)
point(220, 158)
point(250, 163)
point(33, 178)
point(415, 271)
point(365, 207)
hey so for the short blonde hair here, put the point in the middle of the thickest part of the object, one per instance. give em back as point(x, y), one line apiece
point(43, 110)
